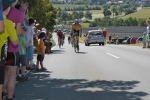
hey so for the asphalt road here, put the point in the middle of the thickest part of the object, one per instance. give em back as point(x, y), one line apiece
point(110, 72)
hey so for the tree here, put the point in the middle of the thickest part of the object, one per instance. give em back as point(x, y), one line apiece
point(113, 9)
point(43, 12)
point(88, 15)
point(106, 12)
point(81, 14)
point(121, 9)
point(64, 15)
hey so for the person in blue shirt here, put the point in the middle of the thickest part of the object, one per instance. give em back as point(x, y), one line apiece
point(1, 17)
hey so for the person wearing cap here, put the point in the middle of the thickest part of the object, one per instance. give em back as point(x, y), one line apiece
point(144, 39)
point(40, 51)
point(1, 17)
point(10, 72)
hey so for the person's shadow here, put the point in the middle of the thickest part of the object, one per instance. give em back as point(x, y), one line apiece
point(42, 87)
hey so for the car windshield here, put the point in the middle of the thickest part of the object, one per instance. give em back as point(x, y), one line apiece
point(95, 33)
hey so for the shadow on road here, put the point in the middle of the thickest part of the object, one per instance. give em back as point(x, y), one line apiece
point(41, 87)
point(57, 52)
point(82, 52)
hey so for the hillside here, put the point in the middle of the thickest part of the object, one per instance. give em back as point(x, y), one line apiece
point(142, 13)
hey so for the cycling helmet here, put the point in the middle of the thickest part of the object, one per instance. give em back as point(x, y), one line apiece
point(76, 21)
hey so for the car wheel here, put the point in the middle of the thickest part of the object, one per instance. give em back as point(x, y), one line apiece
point(102, 43)
point(99, 44)
point(88, 44)
point(85, 44)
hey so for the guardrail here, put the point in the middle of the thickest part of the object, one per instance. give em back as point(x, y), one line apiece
point(120, 30)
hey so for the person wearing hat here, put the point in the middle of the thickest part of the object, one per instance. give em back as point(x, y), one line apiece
point(104, 34)
point(1, 17)
point(40, 51)
point(144, 39)
point(10, 72)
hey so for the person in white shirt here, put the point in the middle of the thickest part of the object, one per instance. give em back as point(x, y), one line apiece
point(29, 36)
point(148, 33)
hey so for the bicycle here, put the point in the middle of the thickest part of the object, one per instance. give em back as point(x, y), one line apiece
point(60, 43)
point(76, 43)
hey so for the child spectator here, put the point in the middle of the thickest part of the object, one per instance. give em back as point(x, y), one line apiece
point(29, 36)
point(144, 39)
point(40, 51)
point(22, 58)
point(10, 72)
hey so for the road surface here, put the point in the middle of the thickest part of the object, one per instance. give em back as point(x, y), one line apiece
point(110, 72)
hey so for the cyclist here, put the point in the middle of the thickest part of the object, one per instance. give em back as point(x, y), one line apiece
point(60, 36)
point(71, 37)
point(76, 28)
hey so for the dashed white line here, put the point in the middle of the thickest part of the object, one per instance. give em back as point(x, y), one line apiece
point(112, 55)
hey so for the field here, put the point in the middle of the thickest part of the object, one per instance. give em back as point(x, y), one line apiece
point(62, 6)
point(85, 24)
point(142, 13)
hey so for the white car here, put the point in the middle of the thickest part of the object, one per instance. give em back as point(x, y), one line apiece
point(94, 37)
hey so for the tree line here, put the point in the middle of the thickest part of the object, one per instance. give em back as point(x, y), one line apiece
point(80, 8)
point(64, 16)
point(107, 21)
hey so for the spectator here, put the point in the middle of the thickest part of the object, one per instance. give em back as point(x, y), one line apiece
point(17, 20)
point(48, 43)
point(29, 36)
point(110, 38)
point(148, 33)
point(40, 51)
point(104, 34)
point(2, 64)
point(22, 58)
point(144, 39)
point(1, 18)
point(10, 72)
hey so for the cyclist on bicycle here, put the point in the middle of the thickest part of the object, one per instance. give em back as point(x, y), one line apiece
point(76, 28)
point(60, 36)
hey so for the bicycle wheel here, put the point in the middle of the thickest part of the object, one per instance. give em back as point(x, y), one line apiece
point(75, 47)
point(60, 45)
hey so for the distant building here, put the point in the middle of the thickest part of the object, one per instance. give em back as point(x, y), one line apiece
point(120, 2)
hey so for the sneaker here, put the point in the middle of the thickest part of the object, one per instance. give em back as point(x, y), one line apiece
point(23, 78)
point(37, 69)
point(43, 68)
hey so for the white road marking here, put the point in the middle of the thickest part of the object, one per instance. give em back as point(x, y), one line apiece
point(112, 55)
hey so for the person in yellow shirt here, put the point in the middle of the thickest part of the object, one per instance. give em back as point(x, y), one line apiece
point(10, 32)
point(40, 51)
point(76, 28)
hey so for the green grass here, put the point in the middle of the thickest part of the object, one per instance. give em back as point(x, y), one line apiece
point(93, 11)
point(143, 13)
point(85, 24)
point(62, 6)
